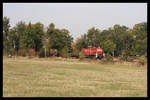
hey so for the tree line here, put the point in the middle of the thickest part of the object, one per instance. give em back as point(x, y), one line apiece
point(115, 41)
point(22, 37)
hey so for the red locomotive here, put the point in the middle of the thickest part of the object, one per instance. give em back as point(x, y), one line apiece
point(97, 52)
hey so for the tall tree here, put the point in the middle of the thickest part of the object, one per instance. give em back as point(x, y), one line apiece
point(59, 39)
point(81, 42)
point(91, 36)
point(38, 35)
point(19, 33)
point(33, 36)
point(117, 33)
point(139, 31)
point(109, 47)
point(13, 39)
point(6, 27)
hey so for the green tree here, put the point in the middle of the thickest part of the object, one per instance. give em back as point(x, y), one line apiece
point(68, 40)
point(59, 39)
point(38, 35)
point(91, 36)
point(50, 31)
point(109, 47)
point(117, 33)
point(101, 38)
point(128, 44)
point(20, 28)
point(13, 39)
point(33, 36)
point(140, 33)
point(6, 26)
point(17, 34)
point(81, 43)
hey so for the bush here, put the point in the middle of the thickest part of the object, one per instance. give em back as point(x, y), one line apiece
point(81, 56)
point(109, 57)
point(64, 53)
point(42, 53)
point(127, 58)
point(12, 51)
point(123, 58)
point(130, 59)
point(142, 60)
point(23, 52)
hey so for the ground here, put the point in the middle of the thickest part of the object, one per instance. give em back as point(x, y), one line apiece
point(41, 77)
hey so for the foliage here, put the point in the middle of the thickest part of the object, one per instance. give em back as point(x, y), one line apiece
point(42, 53)
point(140, 33)
point(6, 26)
point(23, 52)
point(81, 56)
point(20, 33)
point(91, 36)
point(108, 47)
point(109, 57)
point(142, 60)
point(59, 39)
point(33, 37)
point(117, 40)
point(127, 58)
point(64, 52)
point(81, 43)
point(117, 34)
point(124, 58)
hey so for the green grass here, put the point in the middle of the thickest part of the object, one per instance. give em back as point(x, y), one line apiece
point(71, 78)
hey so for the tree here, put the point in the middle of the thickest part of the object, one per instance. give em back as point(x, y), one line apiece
point(59, 39)
point(27, 41)
point(139, 31)
point(13, 39)
point(38, 35)
point(128, 44)
point(91, 36)
point(117, 33)
point(109, 47)
point(81, 43)
point(101, 38)
point(6, 27)
point(20, 28)
point(51, 29)
point(69, 39)
point(17, 34)
point(33, 36)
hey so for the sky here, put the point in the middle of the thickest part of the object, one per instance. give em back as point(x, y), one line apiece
point(77, 17)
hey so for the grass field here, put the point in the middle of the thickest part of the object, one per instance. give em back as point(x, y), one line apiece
point(71, 78)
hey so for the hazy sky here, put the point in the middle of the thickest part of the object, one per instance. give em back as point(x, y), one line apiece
point(77, 17)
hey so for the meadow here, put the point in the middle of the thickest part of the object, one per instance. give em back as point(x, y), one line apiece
point(47, 77)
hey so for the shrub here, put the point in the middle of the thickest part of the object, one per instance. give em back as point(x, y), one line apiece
point(23, 52)
point(142, 60)
point(130, 59)
point(81, 56)
point(12, 51)
point(127, 58)
point(109, 57)
point(42, 53)
point(64, 53)
point(123, 58)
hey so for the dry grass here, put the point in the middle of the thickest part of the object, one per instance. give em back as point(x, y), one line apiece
point(50, 77)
